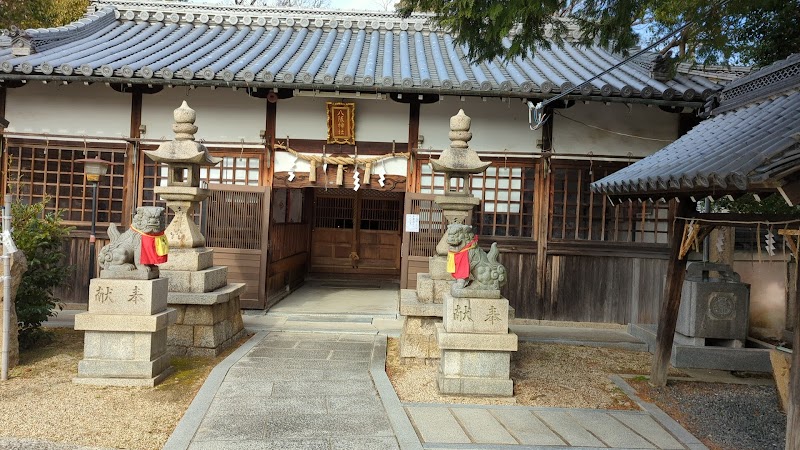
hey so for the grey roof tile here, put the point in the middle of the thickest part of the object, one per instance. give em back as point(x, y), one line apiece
point(145, 40)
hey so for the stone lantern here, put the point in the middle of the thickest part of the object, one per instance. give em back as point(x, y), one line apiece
point(183, 157)
point(457, 163)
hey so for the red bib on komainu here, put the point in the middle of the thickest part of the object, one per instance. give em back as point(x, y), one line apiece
point(458, 262)
point(154, 248)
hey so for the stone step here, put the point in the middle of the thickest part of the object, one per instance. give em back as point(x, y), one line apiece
point(199, 281)
point(220, 295)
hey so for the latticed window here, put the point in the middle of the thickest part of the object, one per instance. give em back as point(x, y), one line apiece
point(506, 191)
point(243, 169)
point(39, 170)
point(334, 212)
point(382, 214)
point(576, 213)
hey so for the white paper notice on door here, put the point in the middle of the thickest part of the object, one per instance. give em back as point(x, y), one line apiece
point(412, 223)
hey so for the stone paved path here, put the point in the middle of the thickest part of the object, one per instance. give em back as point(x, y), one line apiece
point(299, 391)
point(472, 427)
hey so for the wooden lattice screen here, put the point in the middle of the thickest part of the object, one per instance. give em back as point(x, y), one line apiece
point(577, 213)
point(506, 190)
point(39, 169)
point(235, 218)
point(432, 224)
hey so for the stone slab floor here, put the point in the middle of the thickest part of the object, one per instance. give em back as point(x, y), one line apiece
point(299, 391)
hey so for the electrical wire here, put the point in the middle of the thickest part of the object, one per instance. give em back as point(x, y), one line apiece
point(614, 132)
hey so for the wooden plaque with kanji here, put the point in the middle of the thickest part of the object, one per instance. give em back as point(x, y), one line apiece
point(341, 123)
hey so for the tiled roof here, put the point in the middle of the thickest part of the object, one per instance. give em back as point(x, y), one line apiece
point(145, 42)
point(747, 144)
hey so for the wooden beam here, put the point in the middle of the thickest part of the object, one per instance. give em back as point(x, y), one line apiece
point(671, 301)
point(791, 193)
point(739, 220)
point(793, 413)
point(413, 142)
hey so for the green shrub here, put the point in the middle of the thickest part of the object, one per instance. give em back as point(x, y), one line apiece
point(41, 236)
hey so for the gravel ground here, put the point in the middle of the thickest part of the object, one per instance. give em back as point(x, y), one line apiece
point(723, 416)
point(40, 407)
point(552, 375)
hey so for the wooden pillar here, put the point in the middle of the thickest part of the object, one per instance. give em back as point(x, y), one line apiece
point(412, 177)
point(542, 200)
point(270, 128)
point(2, 144)
point(671, 301)
point(793, 412)
point(130, 177)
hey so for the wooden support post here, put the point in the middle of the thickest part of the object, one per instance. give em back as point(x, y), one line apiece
point(2, 144)
point(671, 301)
point(412, 177)
point(793, 412)
point(130, 176)
point(270, 128)
point(542, 194)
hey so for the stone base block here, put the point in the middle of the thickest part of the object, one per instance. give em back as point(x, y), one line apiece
point(475, 315)
point(475, 363)
point(469, 292)
point(476, 341)
point(135, 297)
point(125, 382)
point(437, 268)
point(200, 281)
point(205, 330)
point(122, 322)
point(189, 259)
point(131, 273)
point(487, 387)
point(424, 288)
point(123, 358)
point(418, 338)
point(221, 295)
point(410, 307)
point(112, 368)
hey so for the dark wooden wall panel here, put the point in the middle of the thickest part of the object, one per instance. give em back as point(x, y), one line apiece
point(521, 289)
point(288, 257)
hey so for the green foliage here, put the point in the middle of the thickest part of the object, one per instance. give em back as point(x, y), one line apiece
point(40, 13)
point(747, 204)
point(732, 31)
point(40, 235)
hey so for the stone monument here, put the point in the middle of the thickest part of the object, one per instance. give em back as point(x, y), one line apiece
point(125, 343)
point(423, 308)
point(473, 337)
point(209, 319)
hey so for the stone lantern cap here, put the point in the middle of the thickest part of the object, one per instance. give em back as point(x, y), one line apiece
point(183, 149)
point(459, 158)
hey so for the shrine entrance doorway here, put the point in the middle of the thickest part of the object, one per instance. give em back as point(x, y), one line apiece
point(356, 233)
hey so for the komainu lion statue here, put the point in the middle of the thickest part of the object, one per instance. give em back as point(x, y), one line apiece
point(484, 271)
point(124, 252)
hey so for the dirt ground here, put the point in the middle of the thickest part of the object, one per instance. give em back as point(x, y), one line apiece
point(550, 375)
point(39, 401)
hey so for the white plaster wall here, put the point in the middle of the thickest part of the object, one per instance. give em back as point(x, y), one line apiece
point(638, 120)
point(222, 114)
point(497, 125)
point(376, 120)
point(767, 281)
point(73, 109)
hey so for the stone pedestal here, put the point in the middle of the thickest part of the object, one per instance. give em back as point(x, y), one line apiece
point(423, 311)
point(125, 343)
point(476, 347)
point(208, 315)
